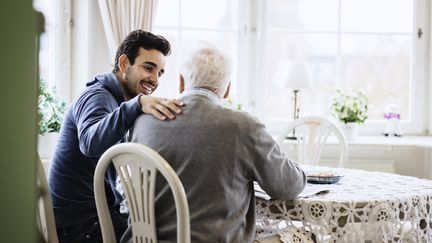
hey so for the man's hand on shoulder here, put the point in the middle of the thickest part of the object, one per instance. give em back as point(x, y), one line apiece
point(159, 107)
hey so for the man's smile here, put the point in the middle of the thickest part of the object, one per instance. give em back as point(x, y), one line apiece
point(147, 87)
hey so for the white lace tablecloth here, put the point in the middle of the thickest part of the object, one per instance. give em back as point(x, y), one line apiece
point(362, 206)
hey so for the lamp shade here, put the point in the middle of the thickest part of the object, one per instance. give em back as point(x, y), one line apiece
point(293, 75)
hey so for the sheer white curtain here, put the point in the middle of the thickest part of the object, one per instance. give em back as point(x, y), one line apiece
point(120, 17)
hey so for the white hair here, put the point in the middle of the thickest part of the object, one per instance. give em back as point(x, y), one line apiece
point(207, 67)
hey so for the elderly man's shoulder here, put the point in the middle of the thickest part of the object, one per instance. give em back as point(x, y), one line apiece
point(148, 120)
point(242, 117)
point(219, 115)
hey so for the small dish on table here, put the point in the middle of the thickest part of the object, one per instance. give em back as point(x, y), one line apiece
point(323, 177)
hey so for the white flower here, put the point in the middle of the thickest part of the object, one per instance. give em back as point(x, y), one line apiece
point(350, 107)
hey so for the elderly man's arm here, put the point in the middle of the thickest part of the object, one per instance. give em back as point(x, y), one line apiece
point(280, 177)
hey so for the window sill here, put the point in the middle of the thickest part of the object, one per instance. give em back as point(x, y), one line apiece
point(368, 140)
point(419, 141)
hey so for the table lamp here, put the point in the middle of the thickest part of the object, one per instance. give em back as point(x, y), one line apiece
point(293, 75)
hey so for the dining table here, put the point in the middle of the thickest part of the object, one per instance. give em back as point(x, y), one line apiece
point(363, 206)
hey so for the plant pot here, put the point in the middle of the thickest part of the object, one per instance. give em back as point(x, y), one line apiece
point(350, 130)
point(47, 144)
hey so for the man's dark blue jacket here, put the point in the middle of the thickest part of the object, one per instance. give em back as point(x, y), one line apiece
point(97, 119)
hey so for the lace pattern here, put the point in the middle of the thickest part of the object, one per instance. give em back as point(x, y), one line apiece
point(363, 206)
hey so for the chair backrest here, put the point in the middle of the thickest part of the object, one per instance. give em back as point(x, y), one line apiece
point(137, 165)
point(45, 213)
point(312, 133)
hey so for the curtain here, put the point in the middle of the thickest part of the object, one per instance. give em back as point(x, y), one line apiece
point(120, 17)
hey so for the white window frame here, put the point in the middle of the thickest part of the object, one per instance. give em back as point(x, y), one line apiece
point(63, 49)
point(180, 29)
point(60, 37)
point(418, 123)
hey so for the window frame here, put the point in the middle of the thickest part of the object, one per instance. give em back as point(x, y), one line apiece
point(419, 113)
point(179, 28)
point(61, 50)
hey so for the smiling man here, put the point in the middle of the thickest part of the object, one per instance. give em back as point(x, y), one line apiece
point(97, 119)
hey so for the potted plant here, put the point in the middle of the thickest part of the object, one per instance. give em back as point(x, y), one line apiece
point(351, 109)
point(50, 112)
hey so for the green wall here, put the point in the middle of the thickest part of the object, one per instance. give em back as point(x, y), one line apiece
point(18, 28)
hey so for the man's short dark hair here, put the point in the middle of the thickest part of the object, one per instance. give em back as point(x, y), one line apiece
point(137, 39)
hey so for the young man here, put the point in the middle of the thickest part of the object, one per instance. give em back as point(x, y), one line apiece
point(98, 119)
point(217, 154)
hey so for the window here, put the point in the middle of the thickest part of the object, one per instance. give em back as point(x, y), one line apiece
point(55, 45)
point(184, 22)
point(362, 45)
point(366, 45)
point(47, 38)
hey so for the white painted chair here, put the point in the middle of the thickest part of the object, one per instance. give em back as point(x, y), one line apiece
point(137, 166)
point(312, 133)
point(45, 213)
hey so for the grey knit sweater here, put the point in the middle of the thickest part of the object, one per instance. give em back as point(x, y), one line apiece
point(217, 153)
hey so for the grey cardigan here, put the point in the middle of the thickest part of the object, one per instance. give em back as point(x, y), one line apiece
point(217, 153)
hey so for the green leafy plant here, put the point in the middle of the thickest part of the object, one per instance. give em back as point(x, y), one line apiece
point(350, 107)
point(50, 109)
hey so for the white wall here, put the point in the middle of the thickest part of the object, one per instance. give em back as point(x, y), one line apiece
point(90, 55)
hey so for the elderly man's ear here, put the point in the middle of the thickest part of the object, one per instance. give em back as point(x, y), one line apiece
point(181, 83)
point(227, 91)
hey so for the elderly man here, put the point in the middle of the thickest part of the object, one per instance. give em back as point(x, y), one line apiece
point(217, 153)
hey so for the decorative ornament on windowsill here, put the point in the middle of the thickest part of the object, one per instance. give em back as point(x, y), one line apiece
point(350, 109)
point(293, 75)
point(393, 126)
point(50, 111)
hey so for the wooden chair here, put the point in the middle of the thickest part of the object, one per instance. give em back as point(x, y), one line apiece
point(137, 166)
